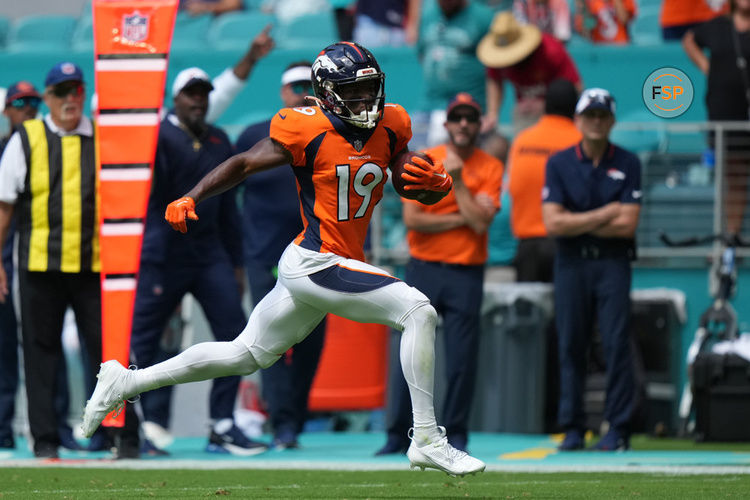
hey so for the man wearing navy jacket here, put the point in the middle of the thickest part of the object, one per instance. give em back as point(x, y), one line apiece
point(270, 221)
point(206, 263)
point(591, 204)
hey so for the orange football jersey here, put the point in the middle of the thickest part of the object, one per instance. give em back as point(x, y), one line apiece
point(340, 172)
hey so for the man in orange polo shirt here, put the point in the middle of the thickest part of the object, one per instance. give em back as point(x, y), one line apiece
point(528, 156)
point(448, 248)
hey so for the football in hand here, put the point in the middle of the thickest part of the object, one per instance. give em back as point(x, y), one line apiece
point(421, 195)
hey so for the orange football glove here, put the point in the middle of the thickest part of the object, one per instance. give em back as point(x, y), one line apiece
point(178, 211)
point(422, 175)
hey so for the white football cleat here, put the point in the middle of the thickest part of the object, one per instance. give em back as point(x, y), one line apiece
point(108, 395)
point(442, 456)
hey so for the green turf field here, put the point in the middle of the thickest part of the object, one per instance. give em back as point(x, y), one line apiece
point(58, 483)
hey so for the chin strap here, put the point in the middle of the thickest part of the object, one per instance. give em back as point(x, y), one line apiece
point(314, 100)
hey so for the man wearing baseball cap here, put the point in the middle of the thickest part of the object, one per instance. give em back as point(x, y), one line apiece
point(21, 103)
point(58, 261)
point(207, 262)
point(591, 204)
point(448, 252)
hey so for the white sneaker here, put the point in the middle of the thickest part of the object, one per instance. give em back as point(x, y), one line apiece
point(108, 395)
point(158, 435)
point(442, 456)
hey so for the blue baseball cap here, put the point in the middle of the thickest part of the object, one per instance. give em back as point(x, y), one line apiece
point(19, 90)
point(63, 72)
point(595, 98)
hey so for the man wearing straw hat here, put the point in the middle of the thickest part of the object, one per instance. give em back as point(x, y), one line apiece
point(530, 60)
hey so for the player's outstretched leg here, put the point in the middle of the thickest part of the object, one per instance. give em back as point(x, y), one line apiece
point(429, 446)
point(199, 362)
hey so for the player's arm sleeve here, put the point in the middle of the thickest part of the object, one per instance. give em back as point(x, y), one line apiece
point(231, 227)
point(552, 191)
point(226, 87)
point(631, 192)
point(287, 129)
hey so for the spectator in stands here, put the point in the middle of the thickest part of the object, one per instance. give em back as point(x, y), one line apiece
point(271, 219)
point(448, 36)
point(591, 204)
point(679, 16)
point(535, 254)
point(214, 7)
point(727, 40)
point(393, 22)
point(530, 59)
point(604, 21)
point(550, 16)
point(207, 265)
point(448, 248)
point(63, 270)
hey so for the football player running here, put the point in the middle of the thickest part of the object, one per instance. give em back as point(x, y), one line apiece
point(339, 151)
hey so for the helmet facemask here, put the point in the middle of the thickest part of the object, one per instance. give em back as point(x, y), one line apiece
point(359, 101)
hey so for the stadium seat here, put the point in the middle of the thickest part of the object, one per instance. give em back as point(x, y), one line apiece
point(190, 32)
point(4, 28)
point(646, 29)
point(313, 31)
point(38, 33)
point(236, 29)
point(83, 35)
point(647, 138)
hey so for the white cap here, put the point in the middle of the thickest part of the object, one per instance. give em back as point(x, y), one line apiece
point(297, 74)
point(188, 77)
point(595, 98)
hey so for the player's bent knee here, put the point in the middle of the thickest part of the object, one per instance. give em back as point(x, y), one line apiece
point(424, 315)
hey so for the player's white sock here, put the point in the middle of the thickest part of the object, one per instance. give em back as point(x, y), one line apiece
point(199, 362)
point(418, 364)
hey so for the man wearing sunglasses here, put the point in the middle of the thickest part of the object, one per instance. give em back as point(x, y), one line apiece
point(271, 219)
point(21, 103)
point(48, 179)
point(448, 249)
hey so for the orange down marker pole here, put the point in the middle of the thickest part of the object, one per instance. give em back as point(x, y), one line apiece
point(131, 47)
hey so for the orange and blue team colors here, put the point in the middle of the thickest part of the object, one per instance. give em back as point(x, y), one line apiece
point(481, 173)
point(340, 173)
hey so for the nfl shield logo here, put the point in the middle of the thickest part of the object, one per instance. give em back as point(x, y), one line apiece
point(134, 27)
